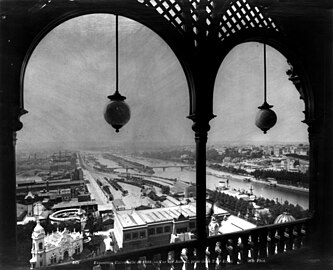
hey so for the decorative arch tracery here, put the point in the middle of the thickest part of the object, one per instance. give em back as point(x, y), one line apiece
point(200, 29)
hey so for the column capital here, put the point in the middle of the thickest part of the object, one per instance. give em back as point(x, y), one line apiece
point(314, 128)
point(201, 123)
point(10, 117)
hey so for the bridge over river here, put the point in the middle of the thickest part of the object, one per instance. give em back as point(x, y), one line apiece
point(164, 167)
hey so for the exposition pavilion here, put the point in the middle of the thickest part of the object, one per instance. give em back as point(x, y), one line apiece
point(200, 33)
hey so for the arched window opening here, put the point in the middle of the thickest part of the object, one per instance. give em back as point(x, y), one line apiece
point(70, 153)
point(77, 249)
point(256, 176)
point(40, 246)
point(53, 259)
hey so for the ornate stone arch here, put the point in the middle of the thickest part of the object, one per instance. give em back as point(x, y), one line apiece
point(161, 27)
point(200, 33)
point(266, 30)
point(295, 73)
point(299, 77)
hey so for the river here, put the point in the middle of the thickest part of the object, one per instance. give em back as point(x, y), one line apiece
point(235, 182)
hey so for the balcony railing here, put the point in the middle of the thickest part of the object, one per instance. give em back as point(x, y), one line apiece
point(248, 246)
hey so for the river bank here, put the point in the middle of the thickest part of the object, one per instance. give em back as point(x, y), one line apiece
point(259, 181)
point(213, 178)
point(216, 173)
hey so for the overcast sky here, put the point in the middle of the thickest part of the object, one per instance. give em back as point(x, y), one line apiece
point(72, 71)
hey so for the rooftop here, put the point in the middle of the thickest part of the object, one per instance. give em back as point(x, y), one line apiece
point(235, 224)
point(53, 240)
point(72, 204)
point(130, 218)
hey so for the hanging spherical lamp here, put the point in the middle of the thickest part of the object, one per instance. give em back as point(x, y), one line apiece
point(265, 118)
point(117, 113)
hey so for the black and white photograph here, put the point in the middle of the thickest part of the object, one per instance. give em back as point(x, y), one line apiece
point(166, 134)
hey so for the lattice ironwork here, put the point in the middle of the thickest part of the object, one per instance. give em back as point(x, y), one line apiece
point(169, 9)
point(240, 15)
point(197, 17)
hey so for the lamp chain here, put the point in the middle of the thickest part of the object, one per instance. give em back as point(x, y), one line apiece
point(265, 84)
point(117, 54)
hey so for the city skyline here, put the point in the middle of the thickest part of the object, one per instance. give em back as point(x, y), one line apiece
point(76, 61)
point(77, 146)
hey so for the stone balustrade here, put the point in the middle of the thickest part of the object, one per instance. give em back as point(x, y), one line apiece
point(250, 246)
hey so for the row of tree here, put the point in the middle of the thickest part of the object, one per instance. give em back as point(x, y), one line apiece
point(245, 209)
point(298, 156)
point(282, 177)
point(231, 203)
point(172, 155)
point(212, 155)
point(277, 208)
point(232, 170)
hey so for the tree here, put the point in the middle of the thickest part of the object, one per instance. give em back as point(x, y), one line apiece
point(213, 155)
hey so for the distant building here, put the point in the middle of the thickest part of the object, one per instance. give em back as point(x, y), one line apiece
point(147, 189)
point(66, 194)
point(78, 174)
point(29, 200)
point(286, 164)
point(139, 229)
point(150, 193)
point(259, 210)
point(285, 151)
point(50, 185)
point(231, 224)
point(303, 151)
point(171, 201)
point(119, 204)
point(54, 248)
point(83, 196)
point(277, 151)
point(31, 211)
point(268, 150)
point(88, 206)
point(227, 160)
point(190, 191)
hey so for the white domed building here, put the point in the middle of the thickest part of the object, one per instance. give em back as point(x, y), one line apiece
point(284, 217)
point(53, 248)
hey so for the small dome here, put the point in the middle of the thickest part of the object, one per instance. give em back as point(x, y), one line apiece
point(284, 217)
point(38, 230)
point(29, 196)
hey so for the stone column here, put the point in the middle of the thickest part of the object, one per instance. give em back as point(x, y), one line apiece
point(203, 74)
point(201, 140)
point(8, 185)
point(201, 128)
